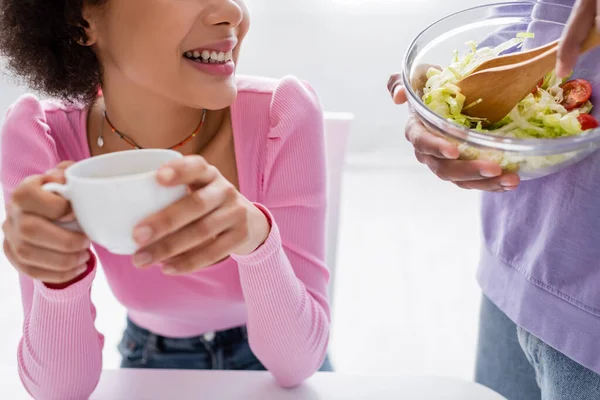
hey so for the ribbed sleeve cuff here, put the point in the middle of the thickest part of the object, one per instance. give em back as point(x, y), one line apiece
point(80, 286)
point(268, 248)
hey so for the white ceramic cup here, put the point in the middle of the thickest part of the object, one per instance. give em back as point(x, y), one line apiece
point(113, 192)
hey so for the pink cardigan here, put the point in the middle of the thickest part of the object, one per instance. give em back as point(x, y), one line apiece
point(279, 291)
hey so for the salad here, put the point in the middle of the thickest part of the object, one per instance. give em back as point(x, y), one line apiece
point(555, 108)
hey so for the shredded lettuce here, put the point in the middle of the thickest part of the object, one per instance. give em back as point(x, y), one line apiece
point(539, 115)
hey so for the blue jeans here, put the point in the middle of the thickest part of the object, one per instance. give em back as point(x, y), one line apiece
point(559, 377)
point(501, 364)
point(520, 366)
point(224, 350)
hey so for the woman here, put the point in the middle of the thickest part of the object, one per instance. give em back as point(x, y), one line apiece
point(539, 322)
point(231, 277)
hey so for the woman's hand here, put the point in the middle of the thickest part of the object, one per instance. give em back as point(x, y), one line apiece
point(33, 243)
point(583, 19)
point(442, 156)
point(212, 222)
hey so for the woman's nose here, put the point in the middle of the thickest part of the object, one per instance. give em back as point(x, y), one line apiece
point(225, 12)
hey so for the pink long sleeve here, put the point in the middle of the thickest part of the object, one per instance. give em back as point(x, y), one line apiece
point(285, 282)
point(279, 291)
point(60, 352)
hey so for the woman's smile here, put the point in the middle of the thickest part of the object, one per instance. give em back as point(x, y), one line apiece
point(214, 59)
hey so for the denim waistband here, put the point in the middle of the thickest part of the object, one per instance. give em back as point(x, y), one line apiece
point(217, 339)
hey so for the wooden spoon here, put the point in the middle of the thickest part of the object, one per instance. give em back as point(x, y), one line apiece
point(514, 58)
point(498, 90)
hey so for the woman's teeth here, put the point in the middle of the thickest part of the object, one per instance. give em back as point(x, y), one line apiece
point(210, 57)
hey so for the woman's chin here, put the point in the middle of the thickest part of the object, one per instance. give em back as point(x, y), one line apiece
point(223, 99)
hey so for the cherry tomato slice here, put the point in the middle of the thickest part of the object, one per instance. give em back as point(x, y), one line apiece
point(575, 93)
point(587, 122)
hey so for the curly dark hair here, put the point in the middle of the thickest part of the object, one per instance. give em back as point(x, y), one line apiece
point(41, 42)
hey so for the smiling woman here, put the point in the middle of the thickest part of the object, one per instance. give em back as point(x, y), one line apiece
point(232, 276)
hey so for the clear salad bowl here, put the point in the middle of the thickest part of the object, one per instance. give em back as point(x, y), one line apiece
point(488, 26)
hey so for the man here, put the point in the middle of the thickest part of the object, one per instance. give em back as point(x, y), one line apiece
point(540, 268)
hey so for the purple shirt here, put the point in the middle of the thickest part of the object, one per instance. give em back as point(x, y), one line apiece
point(541, 260)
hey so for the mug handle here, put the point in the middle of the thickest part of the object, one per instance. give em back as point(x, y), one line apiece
point(63, 191)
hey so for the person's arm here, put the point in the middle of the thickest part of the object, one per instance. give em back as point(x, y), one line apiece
point(60, 352)
point(285, 280)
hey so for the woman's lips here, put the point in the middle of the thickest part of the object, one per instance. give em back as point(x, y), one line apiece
point(223, 69)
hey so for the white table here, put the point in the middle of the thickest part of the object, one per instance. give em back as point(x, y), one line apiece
point(246, 385)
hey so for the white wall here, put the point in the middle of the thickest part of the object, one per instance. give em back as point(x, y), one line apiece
point(346, 49)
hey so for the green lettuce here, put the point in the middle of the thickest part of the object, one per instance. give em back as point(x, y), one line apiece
point(539, 115)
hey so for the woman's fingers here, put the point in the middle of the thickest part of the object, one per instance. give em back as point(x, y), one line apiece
point(32, 242)
point(43, 233)
point(189, 170)
point(29, 197)
point(204, 255)
point(28, 253)
point(197, 233)
point(192, 207)
point(42, 274)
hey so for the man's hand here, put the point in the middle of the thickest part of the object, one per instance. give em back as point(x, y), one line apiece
point(584, 17)
point(442, 156)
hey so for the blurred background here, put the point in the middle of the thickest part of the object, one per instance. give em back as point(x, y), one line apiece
point(405, 300)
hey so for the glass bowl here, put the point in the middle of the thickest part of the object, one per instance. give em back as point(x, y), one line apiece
point(488, 26)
